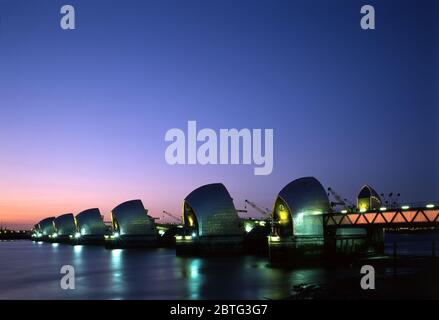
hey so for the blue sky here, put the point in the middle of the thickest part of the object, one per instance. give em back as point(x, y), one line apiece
point(83, 113)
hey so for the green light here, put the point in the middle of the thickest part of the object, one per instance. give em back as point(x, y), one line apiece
point(344, 211)
point(194, 234)
point(54, 235)
point(383, 209)
point(274, 238)
point(115, 235)
point(430, 206)
point(178, 237)
point(77, 235)
point(405, 207)
point(248, 227)
point(363, 209)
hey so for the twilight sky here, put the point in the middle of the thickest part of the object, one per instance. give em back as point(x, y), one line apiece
point(83, 113)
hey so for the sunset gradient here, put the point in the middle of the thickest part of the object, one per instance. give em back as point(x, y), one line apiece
point(83, 113)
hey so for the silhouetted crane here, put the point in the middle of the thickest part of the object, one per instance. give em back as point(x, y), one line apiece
point(266, 213)
point(339, 200)
point(390, 201)
point(172, 216)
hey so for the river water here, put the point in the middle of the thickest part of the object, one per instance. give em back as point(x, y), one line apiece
point(31, 270)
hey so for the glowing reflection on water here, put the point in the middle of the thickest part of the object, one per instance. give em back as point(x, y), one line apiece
point(195, 281)
point(116, 263)
point(54, 247)
point(146, 274)
point(195, 269)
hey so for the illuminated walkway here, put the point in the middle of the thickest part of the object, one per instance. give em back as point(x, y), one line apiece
point(405, 217)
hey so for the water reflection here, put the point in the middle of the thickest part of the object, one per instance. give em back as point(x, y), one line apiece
point(235, 278)
point(78, 259)
point(194, 278)
point(194, 267)
point(30, 270)
point(116, 263)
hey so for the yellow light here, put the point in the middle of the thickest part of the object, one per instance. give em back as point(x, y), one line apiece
point(363, 205)
point(187, 237)
point(430, 206)
point(190, 221)
point(405, 207)
point(344, 211)
point(283, 215)
point(383, 209)
point(274, 238)
point(178, 237)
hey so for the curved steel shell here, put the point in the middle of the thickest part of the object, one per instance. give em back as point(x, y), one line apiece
point(130, 218)
point(368, 199)
point(65, 224)
point(303, 201)
point(214, 211)
point(90, 223)
point(46, 226)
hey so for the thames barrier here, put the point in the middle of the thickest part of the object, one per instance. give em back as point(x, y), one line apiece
point(303, 225)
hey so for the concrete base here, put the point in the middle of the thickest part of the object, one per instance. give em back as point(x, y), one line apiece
point(209, 246)
point(89, 240)
point(334, 248)
point(132, 242)
point(296, 250)
point(60, 239)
